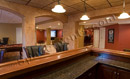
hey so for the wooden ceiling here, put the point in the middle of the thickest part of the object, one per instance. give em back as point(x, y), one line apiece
point(72, 6)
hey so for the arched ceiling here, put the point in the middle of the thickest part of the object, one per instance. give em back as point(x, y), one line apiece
point(41, 19)
point(8, 17)
point(52, 25)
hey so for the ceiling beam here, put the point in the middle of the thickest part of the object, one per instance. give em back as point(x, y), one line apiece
point(103, 12)
point(47, 21)
point(71, 7)
point(48, 4)
point(28, 2)
point(109, 3)
point(91, 6)
point(88, 4)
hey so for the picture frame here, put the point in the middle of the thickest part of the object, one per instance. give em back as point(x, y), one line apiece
point(111, 35)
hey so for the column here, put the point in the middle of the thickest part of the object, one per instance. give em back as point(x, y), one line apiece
point(48, 32)
point(96, 37)
point(102, 37)
point(79, 29)
point(28, 32)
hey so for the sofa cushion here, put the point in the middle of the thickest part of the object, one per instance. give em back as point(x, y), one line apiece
point(35, 50)
point(29, 51)
point(57, 47)
point(41, 50)
point(65, 46)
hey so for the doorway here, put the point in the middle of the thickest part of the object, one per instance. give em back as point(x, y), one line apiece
point(88, 36)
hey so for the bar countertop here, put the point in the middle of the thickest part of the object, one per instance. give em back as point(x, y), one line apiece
point(112, 52)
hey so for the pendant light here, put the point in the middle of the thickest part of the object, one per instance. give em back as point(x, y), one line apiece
point(58, 8)
point(85, 17)
point(124, 15)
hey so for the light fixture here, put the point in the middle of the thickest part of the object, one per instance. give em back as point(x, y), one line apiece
point(37, 27)
point(58, 8)
point(124, 15)
point(85, 17)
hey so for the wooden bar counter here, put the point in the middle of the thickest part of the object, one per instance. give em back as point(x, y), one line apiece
point(63, 65)
point(14, 66)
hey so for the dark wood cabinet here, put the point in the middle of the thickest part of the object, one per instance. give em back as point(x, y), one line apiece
point(106, 72)
point(102, 71)
point(90, 74)
point(123, 74)
point(109, 72)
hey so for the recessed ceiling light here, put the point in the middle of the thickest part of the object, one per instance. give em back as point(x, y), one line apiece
point(84, 22)
point(58, 23)
point(108, 18)
point(36, 27)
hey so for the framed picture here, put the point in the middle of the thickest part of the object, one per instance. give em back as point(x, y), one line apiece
point(111, 36)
